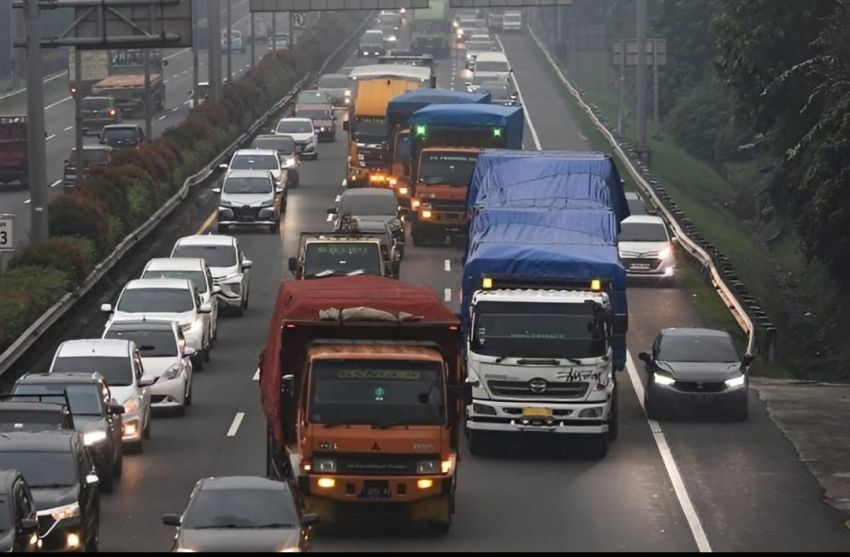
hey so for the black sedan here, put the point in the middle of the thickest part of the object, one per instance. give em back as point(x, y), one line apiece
point(694, 369)
point(18, 520)
point(242, 514)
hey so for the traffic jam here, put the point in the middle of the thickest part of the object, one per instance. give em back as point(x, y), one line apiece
point(375, 387)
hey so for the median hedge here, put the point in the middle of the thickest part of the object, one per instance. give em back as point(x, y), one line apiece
point(87, 224)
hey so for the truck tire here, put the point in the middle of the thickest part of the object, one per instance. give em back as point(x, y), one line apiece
point(478, 442)
point(614, 418)
point(417, 232)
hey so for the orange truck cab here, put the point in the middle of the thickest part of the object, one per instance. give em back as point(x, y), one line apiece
point(445, 142)
point(361, 385)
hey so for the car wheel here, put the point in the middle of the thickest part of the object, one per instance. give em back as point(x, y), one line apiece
point(741, 414)
point(107, 481)
point(118, 466)
point(198, 363)
point(240, 311)
point(614, 417)
point(207, 352)
point(137, 447)
point(418, 234)
point(92, 543)
point(273, 228)
point(651, 406)
point(597, 446)
point(187, 399)
point(146, 433)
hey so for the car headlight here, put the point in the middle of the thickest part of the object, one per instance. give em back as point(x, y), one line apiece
point(289, 550)
point(64, 512)
point(736, 381)
point(665, 253)
point(663, 379)
point(324, 465)
point(225, 203)
point(93, 437)
point(185, 550)
point(131, 405)
point(186, 326)
point(348, 92)
point(265, 204)
point(172, 371)
point(428, 467)
point(290, 163)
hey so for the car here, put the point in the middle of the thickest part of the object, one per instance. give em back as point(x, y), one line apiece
point(122, 136)
point(243, 514)
point(491, 66)
point(93, 156)
point(96, 416)
point(98, 112)
point(230, 269)
point(322, 115)
point(279, 42)
point(636, 204)
point(647, 249)
point(373, 210)
point(692, 368)
point(249, 198)
point(372, 43)
point(203, 92)
point(63, 483)
point(337, 87)
point(196, 270)
point(19, 532)
point(120, 364)
point(167, 299)
point(260, 159)
point(304, 134)
point(312, 96)
point(235, 44)
point(165, 357)
point(286, 152)
point(35, 413)
point(501, 92)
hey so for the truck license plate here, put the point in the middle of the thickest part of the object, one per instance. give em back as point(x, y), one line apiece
point(535, 412)
point(375, 490)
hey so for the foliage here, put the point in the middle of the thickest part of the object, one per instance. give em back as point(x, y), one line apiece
point(64, 253)
point(700, 117)
point(26, 293)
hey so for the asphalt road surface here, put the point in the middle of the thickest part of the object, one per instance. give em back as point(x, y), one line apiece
point(675, 487)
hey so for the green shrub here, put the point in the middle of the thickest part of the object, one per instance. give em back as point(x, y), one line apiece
point(699, 118)
point(74, 256)
point(26, 293)
point(80, 214)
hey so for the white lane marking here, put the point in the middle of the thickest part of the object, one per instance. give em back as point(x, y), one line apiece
point(237, 421)
point(448, 265)
point(57, 103)
point(670, 465)
point(175, 76)
point(447, 295)
point(51, 136)
point(161, 117)
point(185, 72)
point(522, 100)
point(175, 109)
point(166, 80)
point(27, 202)
point(56, 183)
point(257, 375)
point(69, 128)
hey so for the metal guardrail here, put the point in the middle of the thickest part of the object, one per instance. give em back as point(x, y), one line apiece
point(689, 239)
point(47, 319)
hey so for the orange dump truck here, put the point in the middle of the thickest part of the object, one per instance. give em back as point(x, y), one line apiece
point(361, 385)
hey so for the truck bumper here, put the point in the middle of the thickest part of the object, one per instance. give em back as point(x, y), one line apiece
point(574, 418)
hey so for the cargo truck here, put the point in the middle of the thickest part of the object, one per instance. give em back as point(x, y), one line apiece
point(544, 321)
point(399, 111)
point(14, 153)
point(445, 143)
point(431, 29)
point(360, 383)
point(120, 74)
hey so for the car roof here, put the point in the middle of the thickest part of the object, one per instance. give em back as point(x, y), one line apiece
point(249, 173)
point(176, 284)
point(243, 482)
point(63, 378)
point(694, 332)
point(121, 126)
point(98, 97)
point(146, 325)
point(275, 136)
point(643, 219)
point(175, 264)
point(267, 152)
point(368, 192)
point(44, 441)
point(295, 120)
point(98, 347)
point(207, 240)
point(31, 406)
point(491, 57)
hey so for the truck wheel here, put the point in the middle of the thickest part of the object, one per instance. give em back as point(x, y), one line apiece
point(440, 528)
point(107, 482)
point(417, 232)
point(478, 442)
point(614, 417)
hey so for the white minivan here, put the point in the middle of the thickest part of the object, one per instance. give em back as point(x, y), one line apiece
point(491, 66)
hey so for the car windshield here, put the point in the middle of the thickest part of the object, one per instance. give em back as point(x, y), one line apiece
point(334, 81)
point(214, 256)
point(539, 330)
point(285, 145)
point(324, 259)
point(42, 468)
point(372, 39)
point(247, 185)
point(84, 398)
point(369, 129)
point(312, 97)
point(494, 66)
point(315, 114)
point(642, 232)
point(159, 343)
point(697, 348)
point(369, 204)
point(198, 278)
point(376, 392)
point(121, 133)
point(156, 300)
point(117, 371)
point(254, 162)
point(90, 156)
point(450, 169)
point(294, 126)
point(240, 508)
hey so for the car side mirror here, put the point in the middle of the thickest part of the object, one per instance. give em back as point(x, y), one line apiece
point(674, 240)
point(146, 381)
point(106, 308)
point(332, 210)
point(28, 524)
point(216, 190)
point(189, 352)
point(514, 97)
point(309, 519)
point(279, 189)
point(645, 357)
point(216, 289)
point(247, 264)
point(345, 125)
point(92, 479)
point(205, 308)
point(748, 359)
point(116, 409)
point(288, 385)
point(293, 265)
point(171, 520)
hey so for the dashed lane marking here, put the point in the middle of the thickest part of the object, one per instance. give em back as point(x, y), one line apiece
point(237, 421)
point(57, 103)
point(447, 295)
point(161, 117)
point(69, 128)
point(175, 109)
point(448, 265)
point(257, 375)
point(56, 183)
point(51, 136)
point(27, 202)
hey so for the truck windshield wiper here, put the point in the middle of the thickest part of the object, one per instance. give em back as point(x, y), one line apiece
point(357, 272)
point(325, 273)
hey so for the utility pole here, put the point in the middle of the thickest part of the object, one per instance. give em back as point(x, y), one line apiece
point(36, 129)
point(253, 42)
point(213, 34)
point(229, 45)
point(148, 111)
point(78, 118)
point(274, 31)
point(291, 31)
point(643, 143)
point(196, 95)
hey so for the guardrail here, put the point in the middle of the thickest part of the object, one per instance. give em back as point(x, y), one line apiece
point(760, 331)
point(47, 319)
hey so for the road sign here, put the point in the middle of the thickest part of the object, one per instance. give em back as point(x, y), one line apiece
point(632, 52)
point(298, 20)
point(132, 24)
point(7, 227)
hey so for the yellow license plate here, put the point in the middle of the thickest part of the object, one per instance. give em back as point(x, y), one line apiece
point(537, 412)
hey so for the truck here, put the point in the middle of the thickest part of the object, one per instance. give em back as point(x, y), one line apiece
point(431, 29)
point(120, 74)
point(445, 144)
point(350, 253)
point(544, 320)
point(360, 383)
point(512, 21)
point(14, 152)
point(368, 136)
point(399, 111)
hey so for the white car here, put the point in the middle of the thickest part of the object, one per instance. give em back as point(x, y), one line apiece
point(259, 159)
point(120, 364)
point(304, 134)
point(194, 269)
point(646, 248)
point(169, 300)
point(490, 66)
point(228, 265)
point(165, 357)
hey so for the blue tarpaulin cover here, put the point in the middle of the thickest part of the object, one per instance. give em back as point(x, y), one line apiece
point(474, 116)
point(546, 179)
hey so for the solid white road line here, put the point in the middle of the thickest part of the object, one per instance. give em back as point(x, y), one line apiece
point(447, 295)
point(56, 183)
point(448, 265)
point(257, 375)
point(237, 421)
point(69, 128)
point(522, 100)
point(51, 136)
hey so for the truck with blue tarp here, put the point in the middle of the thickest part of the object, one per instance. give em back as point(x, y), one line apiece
point(399, 111)
point(544, 318)
point(550, 179)
point(445, 143)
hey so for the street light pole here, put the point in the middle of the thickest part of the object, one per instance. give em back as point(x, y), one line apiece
point(36, 131)
point(643, 143)
point(229, 45)
point(213, 35)
point(196, 95)
point(253, 42)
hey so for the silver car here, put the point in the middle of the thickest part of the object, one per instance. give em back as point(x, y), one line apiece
point(249, 198)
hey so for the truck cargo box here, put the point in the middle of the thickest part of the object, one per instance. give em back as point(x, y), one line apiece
point(509, 119)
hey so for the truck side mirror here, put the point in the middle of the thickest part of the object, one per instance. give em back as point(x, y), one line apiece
point(645, 358)
point(288, 384)
point(293, 265)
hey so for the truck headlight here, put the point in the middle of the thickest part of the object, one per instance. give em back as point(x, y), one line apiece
point(93, 437)
point(324, 465)
point(289, 163)
point(428, 467)
point(663, 379)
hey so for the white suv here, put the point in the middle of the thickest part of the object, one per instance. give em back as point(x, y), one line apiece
point(228, 265)
point(302, 131)
point(646, 248)
point(120, 364)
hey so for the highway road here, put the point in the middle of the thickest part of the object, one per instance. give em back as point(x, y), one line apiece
point(671, 487)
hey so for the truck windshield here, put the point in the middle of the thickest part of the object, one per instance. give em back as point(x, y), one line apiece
point(325, 259)
point(538, 330)
point(382, 393)
point(369, 129)
point(450, 169)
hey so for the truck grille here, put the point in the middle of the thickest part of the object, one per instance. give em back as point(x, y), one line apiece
point(455, 206)
point(538, 388)
point(366, 464)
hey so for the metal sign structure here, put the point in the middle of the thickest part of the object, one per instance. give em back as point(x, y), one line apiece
point(656, 52)
point(7, 233)
point(507, 3)
point(333, 5)
point(136, 24)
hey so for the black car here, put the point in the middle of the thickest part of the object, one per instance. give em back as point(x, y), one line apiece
point(373, 211)
point(63, 483)
point(49, 413)
point(287, 152)
point(243, 514)
point(97, 420)
point(692, 369)
point(122, 136)
point(18, 519)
